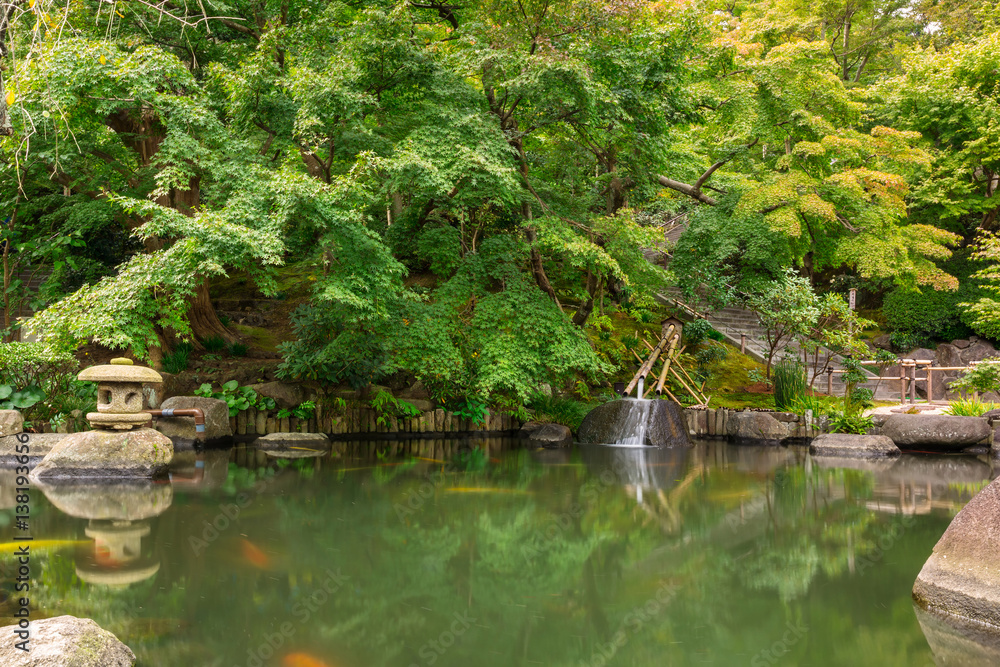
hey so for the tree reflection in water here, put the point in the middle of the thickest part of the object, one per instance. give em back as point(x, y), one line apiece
point(635, 556)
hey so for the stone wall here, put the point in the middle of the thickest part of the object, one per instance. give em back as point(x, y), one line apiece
point(714, 423)
point(355, 421)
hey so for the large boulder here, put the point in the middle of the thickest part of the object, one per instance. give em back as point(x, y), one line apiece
point(883, 342)
point(285, 395)
point(113, 455)
point(944, 432)
point(978, 351)
point(217, 428)
point(851, 445)
point(37, 445)
point(549, 436)
point(948, 355)
point(657, 423)
point(11, 422)
point(962, 575)
point(65, 641)
point(755, 428)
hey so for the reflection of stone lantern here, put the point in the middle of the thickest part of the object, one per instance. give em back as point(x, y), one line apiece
point(118, 448)
point(118, 520)
point(116, 559)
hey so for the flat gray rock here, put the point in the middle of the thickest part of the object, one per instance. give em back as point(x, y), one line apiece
point(755, 428)
point(66, 641)
point(11, 422)
point(945, 432)
point(38, 445)
point(183, 428)
point(549, 436)
point(962, 575)
point(111, 455)
point(854, 446)
point(301, 441)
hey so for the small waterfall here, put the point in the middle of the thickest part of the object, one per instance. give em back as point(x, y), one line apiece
point(631, 431)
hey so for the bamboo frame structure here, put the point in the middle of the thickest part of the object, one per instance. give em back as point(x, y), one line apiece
point(648, 364)
point(666, 364)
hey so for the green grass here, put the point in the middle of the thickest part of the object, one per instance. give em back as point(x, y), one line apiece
point(730, 374)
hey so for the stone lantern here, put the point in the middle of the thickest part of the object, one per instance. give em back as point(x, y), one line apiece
point(119, 394)
point(119, 447)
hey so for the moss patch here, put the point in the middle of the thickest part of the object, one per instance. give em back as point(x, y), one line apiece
point(741, 400)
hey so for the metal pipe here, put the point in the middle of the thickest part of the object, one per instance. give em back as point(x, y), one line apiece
point(197, 413)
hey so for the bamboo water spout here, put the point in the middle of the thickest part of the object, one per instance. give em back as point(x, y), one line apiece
point(648, 364)
point(666, 363)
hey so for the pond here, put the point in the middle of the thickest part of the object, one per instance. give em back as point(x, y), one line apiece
point(715, 555)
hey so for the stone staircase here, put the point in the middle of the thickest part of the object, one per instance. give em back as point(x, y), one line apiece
point(733, 322)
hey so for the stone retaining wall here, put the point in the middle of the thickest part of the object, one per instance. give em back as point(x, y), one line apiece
point(713, 423)
point(353, 421)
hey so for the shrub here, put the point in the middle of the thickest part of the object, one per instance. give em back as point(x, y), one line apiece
point(237, 397)
point(820, 405)
point(36, 364)
point(933, 314)
point(983, 377)
point(177, 361)
point(214, 344)
point(969, 407)
point(238, 349)
point(706, 357)
point(846, 423)
point(789, 383)
point(697, 331)
point(557, 410)
point(388, 406)
point(31, 373)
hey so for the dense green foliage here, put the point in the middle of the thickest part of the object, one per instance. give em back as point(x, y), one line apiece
point(471, 185)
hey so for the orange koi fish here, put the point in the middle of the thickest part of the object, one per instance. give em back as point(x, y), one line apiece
point(302, 660)
point(254, 555)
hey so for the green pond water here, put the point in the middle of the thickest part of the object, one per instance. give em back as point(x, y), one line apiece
point(714, 555)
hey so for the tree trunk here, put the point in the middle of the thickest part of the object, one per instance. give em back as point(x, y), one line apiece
point(847, 36)
point(203, 318)
point(537, 267)
point(586, 308)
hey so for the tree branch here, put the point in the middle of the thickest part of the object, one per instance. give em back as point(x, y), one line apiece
point(685, 189)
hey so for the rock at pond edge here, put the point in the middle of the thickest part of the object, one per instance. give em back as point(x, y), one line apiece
point(66, 641)
point(851, 445)
point(962, 576)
